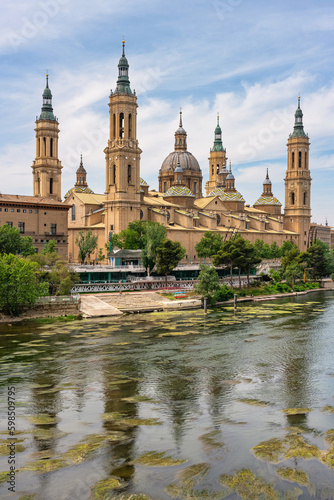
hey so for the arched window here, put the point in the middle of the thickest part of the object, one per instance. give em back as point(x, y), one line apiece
point(130, 127)
point(181, 141)
point(304, 199)
point(39, 148)
point(212, 170)
point(217, 169)
point(121, 125)
point(51, 147)
point(44, 146)
point(114, 174)
point(39, 185)
point(293, 160)
point(195, 187)
point(184, 142)
point(51, 185)
point(292, 198)
point(306, 166)
point(129, 174)
point(73, 212)
point(165, 187)
point(299, 159)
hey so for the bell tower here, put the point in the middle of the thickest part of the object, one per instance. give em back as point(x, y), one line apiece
point(122, 202)
point(297, 210)
point(46, 167)
point(217, 162)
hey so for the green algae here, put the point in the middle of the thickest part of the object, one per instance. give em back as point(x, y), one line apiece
point(3, 477)
point(139, 399)
point(270, 450)
point(158, 459)
point(185, 493)
point(43, 419)
point(130, 496)
point(210, 442)
point(249, 486)
point(129, 422)
point(329, 437)
point(27, 497)
point(296, 411)
point(193, 474)
point(4, 448)
point(101, 489)
point(328, 409)
point(293, 475)
point(254, 402)
point(78, 453)
point(299, 448)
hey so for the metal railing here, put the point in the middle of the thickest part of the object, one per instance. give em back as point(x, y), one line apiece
point(59, 299)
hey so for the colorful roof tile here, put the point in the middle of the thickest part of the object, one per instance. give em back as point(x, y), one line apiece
point(267, 200)
point(142, 182)
point(77, 189)
point(179, 191)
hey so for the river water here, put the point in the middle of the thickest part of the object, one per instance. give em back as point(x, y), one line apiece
point(171, 405)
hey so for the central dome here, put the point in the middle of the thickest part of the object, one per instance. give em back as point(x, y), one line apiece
point(187, 161)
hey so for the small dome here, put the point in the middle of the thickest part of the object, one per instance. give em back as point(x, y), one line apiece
point(47, 93)
point(178, 169)
point(179, 191)
point(232, 197)
point(267, 181)
point(85, 190)
point(230, 177)
point(180, 131)
point(187, 162)
point(268, 200)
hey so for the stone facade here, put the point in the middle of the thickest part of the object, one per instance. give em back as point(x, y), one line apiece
point(179, 204)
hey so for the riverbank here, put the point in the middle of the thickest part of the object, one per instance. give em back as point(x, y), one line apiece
point(135, 302)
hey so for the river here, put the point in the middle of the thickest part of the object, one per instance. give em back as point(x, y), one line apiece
point(173, 405)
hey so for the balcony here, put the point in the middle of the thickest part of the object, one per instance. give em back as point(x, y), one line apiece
point(56, 233)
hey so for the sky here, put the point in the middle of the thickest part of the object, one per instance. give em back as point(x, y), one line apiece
point(246, 60)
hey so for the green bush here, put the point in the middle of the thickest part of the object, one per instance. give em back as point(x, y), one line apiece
point(223, 293)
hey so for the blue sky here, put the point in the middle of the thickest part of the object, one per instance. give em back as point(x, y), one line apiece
point(247, 60)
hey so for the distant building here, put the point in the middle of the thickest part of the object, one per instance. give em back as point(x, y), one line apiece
point(42, 216)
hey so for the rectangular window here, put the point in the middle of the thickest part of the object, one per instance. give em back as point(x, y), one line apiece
point(36, 211)
point(18, 210)
point(10, 224)
point(30, 211)
point(0, 209)
point(53, 228)
point(6, 209)
point(12, 209)
point(21, 227)
point(24, 211)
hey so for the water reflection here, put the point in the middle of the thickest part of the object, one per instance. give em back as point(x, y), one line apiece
point(200, 389)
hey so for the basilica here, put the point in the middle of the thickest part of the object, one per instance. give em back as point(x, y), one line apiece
point(180, 204)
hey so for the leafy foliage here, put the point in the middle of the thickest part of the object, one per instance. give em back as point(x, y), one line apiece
point(19, 286)
point(168, 255)
point(208, 282)
point(86, 243)
point(209, 245)
point(12, 242)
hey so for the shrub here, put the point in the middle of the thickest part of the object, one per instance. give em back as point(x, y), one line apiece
point(223, 293)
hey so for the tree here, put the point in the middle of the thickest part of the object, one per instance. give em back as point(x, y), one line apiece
point(209, 245)
point(19, 286)
point(249, 257)
point(168, 255)
point(286, 247)
point(100, 256)
point(275, 251)
point(293, 272)
point(86, 243)
point(154, 234)
point(290, 256)
point(50, 247)
point(55, 272)
point(263, 249)
point(208, 282)
point(132, 238)
point(12, 242)
point(318, 258)
point(229, 254)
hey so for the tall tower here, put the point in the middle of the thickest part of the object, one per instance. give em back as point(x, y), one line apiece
point(46, 167)
point(122, 202)
point(297, 211)
point(217, 162)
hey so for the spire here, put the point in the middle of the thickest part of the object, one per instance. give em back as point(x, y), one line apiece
point(47, 110)
point(123, 82)
point(180, 137)
point(218, 143)
point(81, 175)
point(298, 129)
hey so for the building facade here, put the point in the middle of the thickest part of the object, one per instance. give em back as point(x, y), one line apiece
point(179, 204)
